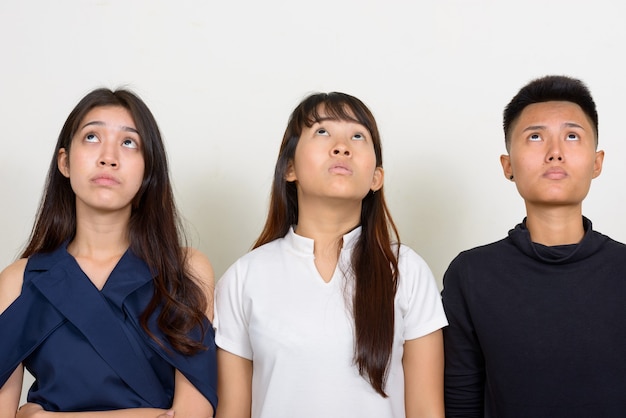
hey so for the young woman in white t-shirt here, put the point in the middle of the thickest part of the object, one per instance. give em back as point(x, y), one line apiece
point(329, 315)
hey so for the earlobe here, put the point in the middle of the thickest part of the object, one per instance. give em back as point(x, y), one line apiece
point(378, 180)
point(505, 161)
point(63, 162)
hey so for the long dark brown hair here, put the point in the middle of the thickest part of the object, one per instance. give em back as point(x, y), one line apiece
point(374, 261)
point(155, 232)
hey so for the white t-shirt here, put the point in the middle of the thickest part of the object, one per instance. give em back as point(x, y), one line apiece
point(273, 307)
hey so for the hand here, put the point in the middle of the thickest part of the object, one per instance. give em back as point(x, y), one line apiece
point(29, 410)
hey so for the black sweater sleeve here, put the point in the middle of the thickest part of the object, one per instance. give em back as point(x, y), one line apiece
point(464, 361)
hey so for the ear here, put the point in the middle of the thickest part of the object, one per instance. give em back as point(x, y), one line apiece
point(597, 164)
point(378, 180)
point(290, 173)
point(505, 160)
point(63, 162)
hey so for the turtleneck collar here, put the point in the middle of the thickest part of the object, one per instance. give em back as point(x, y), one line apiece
point(558, 254)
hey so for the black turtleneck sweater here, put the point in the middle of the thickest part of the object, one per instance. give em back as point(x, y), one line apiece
point(537, 331)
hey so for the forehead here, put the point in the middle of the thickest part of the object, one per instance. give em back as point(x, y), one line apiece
point(110, 115)
point(332, 111)
point(550, 113)
point(344, 115)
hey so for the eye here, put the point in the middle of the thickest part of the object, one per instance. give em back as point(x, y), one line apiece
point(91, 138)
point(572, 137)
point(358, 137)
point(534, 137)
point(130, 143)
point(322, 131)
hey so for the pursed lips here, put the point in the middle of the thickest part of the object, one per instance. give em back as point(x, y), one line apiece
point(105, 180)
point(555, 173)
point(339, 169)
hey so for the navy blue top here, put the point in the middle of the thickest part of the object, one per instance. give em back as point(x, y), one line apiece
point(86, 348)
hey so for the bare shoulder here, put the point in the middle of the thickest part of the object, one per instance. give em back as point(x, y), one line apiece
point(11, 279)
point(200, 267)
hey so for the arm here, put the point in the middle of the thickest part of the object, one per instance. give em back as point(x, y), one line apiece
point(33, 410)
point(423, 376)
point(234, 385)
point(200, 268)
point(11, 280)
point(10, 393)
point(188, 402)
point(464, 375)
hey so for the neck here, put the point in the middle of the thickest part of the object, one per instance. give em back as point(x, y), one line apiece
point(327, 223)
point(100, 235)
point(555, 226)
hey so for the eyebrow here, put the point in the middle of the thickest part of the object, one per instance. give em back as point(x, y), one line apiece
point(573, 125)
point(100, 123)
point(325, 119)
point(335, 119)
point(541, 127)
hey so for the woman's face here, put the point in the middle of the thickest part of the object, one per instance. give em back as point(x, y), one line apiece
point(105, 162)
point(335, 159)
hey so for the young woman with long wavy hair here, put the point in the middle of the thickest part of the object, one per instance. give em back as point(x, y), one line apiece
point(106, 307)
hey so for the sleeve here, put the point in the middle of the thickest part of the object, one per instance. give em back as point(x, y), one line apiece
point(420, 300)
point(464, 362)
point(24, 325)
point(230, 318)
point(200, 368)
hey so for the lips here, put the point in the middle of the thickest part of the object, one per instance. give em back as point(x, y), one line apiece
point(555, 173)
point(340, 169)
point(105, 180)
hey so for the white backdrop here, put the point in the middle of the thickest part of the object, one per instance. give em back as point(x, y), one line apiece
point(223, 77)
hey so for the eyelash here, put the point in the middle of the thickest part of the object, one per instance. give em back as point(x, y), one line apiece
point(322, 131)
point(132, 142)
point(537, 137)
point(126, 142)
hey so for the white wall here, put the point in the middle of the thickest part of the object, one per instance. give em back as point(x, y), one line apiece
point(222, 78)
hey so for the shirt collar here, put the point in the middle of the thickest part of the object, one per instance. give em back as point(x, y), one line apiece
point(306, 245)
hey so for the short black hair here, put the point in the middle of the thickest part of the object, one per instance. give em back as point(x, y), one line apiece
point(546, 89)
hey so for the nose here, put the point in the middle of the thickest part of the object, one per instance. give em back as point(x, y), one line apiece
point(554, 152)
point(341, 148)
point(108, 162)
point(108, 155)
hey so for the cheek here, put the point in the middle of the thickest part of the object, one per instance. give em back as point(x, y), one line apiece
point(304, 158)
point(140, 171)
point(524, 164)
point(75, 163)
point(370, 163)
